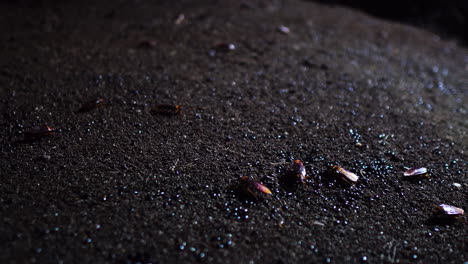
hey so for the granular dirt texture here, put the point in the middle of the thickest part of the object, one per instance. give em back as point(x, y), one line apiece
point(118, 183)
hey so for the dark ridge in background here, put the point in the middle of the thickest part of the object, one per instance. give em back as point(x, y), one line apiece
point(449, 19)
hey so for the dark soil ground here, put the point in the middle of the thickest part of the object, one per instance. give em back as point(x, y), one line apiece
point(119, 184)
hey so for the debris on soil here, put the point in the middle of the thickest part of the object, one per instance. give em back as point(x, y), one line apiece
point(344, 175)
point(166, 109)
point(91, 105)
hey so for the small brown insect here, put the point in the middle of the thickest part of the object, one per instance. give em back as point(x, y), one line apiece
point(359, 145)
point(446, 213)
point(91, 105)
point(166, 109)
point(283, 29)
point(38, 132)
point(296, 172)
point(251, 188)
point(416, 173)
point(180, 18)
point(344, 175)
point(147, 44)
point(225, 47)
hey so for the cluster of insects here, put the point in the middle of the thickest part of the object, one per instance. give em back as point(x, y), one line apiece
point(295, 172)
point(42, 131)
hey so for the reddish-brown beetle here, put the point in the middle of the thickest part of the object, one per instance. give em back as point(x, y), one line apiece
point(38, 132)
point(225, 47)
point(296, 172)
point(416, 173)
point(180, 18)
point(88, 106)
point(166, 109)
point(344, 175)
point(147, 44)
point(447, 213)
point(222, 47)
point(251, 188)
point(283, 29)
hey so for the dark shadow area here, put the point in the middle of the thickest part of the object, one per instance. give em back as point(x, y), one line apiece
point(448, 19)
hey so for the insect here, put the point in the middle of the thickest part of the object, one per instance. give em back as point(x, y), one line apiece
point(345, 175)
point(296, 173)
point(283, 29)
point(446, 213)
point(359, 145)
point(166, 109)
point(38, 132)
point(251, 188)
point(225, 47)
point(147, 44)
point(416, 173)
point(180, 18)
point(88, 106)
